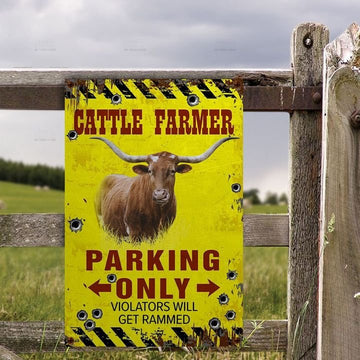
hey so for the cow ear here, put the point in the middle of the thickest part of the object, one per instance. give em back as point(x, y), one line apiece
point(141, 169)
point(183, 168)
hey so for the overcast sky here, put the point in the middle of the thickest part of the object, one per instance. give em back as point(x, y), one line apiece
point(158, 34)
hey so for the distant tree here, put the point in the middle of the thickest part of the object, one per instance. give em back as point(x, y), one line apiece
point(283, 198)
point(32, 174)
point(253, 196)
point(271, 199)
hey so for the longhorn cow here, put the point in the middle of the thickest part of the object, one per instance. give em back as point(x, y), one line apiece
point(143, 206)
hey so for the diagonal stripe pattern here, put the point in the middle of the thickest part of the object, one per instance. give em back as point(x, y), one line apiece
point(101, 334)
point(128, 89)
point(120, 333)
point(83, 337)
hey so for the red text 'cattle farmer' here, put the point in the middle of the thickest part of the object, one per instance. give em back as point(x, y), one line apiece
point(167, 122)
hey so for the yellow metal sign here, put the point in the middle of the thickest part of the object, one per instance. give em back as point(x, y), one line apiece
point(153, 213)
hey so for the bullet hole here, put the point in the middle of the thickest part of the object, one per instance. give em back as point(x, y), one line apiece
point(116, 99)
point(89, 324)
point(111, 278)
point(223, 299)
point(97, 313)
point(230, 315)
point(72, 135)
point(214, 323)
point(193, 100)
point(236, 187)
point(231, 275)
point(82, 315)
point(76, 225)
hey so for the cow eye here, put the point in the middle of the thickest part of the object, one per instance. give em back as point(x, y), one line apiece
point(149, 171)
point(172, 172)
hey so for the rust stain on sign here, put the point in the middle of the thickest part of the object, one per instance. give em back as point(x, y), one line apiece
point(237, 84)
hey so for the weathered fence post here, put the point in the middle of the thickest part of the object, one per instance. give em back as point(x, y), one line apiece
point(339, 275)
point(308, 42)
point(6, 354)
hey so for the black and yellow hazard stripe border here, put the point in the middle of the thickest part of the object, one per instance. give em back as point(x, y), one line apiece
point(152, 89)
point(116, 337)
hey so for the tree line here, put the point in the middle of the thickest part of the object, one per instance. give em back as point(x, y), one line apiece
point(53, 177)
point(270, 199)
point(41, 175)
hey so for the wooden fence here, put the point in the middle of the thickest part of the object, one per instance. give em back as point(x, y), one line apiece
point(298, 91)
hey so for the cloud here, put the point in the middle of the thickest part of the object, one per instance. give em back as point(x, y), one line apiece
point(266, 153)
point(274, 180)
point(33, 137)
point(171, 34)
point(157, 34)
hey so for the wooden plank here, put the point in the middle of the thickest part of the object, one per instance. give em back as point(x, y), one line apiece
point(339, 280)
point(266, 230)
point(256, 98)
point(6, 354)
point(308, 42)
point(32, 97)
point(27, 337)
point(57, 77)
point(282, 98)
point(29, 230)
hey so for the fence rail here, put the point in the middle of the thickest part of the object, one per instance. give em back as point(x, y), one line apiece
point(57, 77)
point(32, 230)
point(32, 336)
point(264, 90)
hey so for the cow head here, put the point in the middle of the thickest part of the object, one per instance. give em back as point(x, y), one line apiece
point(162, 167)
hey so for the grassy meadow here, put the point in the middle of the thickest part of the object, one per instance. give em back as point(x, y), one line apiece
point(25, 199)
point(32, 279)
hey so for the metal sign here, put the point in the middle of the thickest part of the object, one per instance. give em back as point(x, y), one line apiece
point(153, 213)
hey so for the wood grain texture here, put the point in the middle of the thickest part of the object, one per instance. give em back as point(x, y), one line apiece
point(6, 354)
point(26, 337)
point(339, 280)
point(29, 230)
point(266, 230)
point(31, 89)
point(256, 98)
point(305, 163)
point(57, 77)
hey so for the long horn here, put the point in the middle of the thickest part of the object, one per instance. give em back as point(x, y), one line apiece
point(206, 154)
point(121, 154)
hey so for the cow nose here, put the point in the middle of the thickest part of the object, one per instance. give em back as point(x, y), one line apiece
point(160, 195)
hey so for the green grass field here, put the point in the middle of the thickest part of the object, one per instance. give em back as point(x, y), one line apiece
point(25, 199)
point(32, 279)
